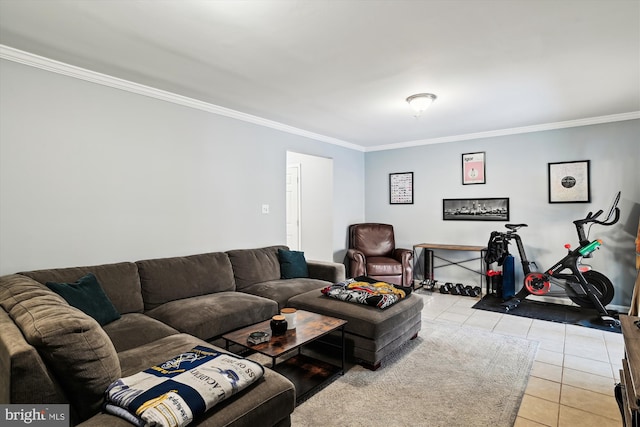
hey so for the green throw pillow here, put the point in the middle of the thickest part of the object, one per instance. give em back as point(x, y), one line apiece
point(87, 295)
point(292, 264)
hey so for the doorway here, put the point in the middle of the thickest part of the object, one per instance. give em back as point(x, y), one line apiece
point(309, 210)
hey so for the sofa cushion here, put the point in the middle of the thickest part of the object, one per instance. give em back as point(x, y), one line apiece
point(136, 329)
point(170, 279)
point(293, 265)
point(283, 289)
point(87, 295)
point(209, 316)
point(120, 282)
point(255, 265)
point(75, 347)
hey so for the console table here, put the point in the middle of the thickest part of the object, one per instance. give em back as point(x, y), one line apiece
point(429, 255)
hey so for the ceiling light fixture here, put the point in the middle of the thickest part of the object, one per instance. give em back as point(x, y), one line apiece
point(421, 101)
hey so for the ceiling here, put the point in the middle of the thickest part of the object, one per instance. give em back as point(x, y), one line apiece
point(342, 69)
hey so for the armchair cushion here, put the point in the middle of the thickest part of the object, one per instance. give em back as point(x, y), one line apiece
point(383, 266)
point(372, 239)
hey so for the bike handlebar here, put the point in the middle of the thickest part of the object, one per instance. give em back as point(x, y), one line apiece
point(613, 211)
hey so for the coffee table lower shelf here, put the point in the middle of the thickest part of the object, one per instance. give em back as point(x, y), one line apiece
point(309, 375)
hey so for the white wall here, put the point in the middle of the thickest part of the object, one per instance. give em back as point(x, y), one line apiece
point(90, 174)
point(517, 169)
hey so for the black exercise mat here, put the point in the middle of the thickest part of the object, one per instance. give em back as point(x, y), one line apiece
point(560, 313)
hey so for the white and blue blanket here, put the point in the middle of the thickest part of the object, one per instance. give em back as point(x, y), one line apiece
point(175, 392)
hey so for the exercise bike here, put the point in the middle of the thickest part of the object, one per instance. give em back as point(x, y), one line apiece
point(582, 285)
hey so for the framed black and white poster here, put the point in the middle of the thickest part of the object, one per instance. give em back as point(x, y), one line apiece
point(569, 182)
point(473, 168)
point(401, 188)
point(488, 209)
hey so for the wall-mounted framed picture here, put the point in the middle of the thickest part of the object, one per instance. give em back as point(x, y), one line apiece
point(473, 168)
point(569, 182)
point(401, 188)
point(488, 209)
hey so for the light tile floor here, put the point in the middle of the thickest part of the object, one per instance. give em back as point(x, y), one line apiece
point(573, 375)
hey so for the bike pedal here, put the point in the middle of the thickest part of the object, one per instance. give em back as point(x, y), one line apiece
point(511, 304)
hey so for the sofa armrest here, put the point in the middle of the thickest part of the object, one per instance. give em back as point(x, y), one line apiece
point(330, 271)
point(24, 377)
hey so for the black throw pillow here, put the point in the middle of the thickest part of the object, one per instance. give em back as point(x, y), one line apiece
point(87, 295)
point(293, 265)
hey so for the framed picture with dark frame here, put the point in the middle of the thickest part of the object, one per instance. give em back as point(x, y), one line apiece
point(569, 182)
point(473, 168)
point(487, 209)
point(401, 188)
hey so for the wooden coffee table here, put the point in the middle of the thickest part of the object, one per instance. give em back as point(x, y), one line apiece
point(307, 373)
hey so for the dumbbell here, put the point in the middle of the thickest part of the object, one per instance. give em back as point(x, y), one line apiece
point(446, 288)
point(457, 289)
point(472, 291)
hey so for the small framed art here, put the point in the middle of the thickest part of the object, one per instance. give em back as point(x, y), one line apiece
point(487, 209)
point(569, 182)
point(401, 188)
point(473, 168)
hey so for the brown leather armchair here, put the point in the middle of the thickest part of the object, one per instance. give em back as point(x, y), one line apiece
point(372, 252)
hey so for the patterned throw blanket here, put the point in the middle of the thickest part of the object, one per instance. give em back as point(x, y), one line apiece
point(175, 392)
point(364, 290)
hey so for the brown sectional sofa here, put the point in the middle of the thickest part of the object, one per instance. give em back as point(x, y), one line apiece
point(51, 352)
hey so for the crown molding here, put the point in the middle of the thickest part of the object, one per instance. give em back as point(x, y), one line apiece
point(58, 67)
point(511, 131)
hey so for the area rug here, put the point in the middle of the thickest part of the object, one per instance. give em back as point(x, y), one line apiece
point(541, 310)
point(448, 376)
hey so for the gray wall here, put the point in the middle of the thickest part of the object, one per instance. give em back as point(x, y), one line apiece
point(91, 174)
point(517, 169)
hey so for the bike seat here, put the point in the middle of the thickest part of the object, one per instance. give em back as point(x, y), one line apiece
point(514, 227)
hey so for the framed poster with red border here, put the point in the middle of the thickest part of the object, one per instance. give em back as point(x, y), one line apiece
point(473, 168)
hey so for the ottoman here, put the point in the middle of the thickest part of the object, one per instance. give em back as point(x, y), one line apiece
point(370, 333)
